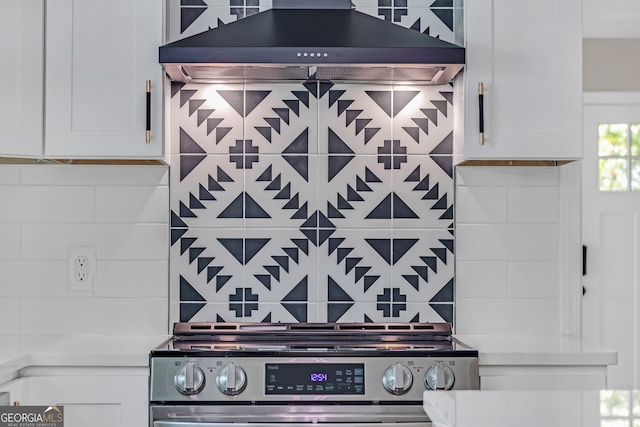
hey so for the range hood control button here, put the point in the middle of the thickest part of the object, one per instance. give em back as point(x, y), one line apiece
point(231, 379)
point(439, 377)
point(189, 379)
point(397, 379)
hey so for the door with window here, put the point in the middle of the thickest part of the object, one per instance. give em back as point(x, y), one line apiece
point(611, 232)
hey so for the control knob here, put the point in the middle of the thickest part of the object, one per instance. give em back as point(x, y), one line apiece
point(439, 377)
point(397, 379)
point(231, 379)
point(189, 379)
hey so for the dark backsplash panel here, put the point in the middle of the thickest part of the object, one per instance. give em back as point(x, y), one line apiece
point(311, 202)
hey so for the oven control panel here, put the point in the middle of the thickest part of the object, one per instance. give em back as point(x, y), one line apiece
point(307, 378)
point(314, 378)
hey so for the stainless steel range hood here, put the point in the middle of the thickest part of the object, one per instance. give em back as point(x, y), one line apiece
point(312, 40)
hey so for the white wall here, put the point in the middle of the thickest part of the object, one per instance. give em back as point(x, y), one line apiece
point(507, 244)
point(611, 64)
point(122, 211)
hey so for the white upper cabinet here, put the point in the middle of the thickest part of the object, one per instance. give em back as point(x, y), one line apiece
point(21, 77)
point(99, 56)
point(528, 55)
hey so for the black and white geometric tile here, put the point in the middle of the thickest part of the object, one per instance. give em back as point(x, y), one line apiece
point(311, 202)
point(438, 18)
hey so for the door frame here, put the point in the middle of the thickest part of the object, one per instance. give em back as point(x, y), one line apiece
point(572, 319)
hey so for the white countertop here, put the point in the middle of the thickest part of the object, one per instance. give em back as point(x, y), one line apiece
point(79, 351)
point(515, 408)
point(519, 350)
point(133, 351)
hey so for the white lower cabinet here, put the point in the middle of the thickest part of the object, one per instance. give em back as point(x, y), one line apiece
point(96, 397)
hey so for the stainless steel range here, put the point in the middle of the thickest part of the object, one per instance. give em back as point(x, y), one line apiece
point(269, 374)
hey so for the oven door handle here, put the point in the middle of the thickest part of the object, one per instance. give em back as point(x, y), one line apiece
point(276, 424)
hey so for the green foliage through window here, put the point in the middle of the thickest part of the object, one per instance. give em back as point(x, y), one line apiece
point(619, 157)
point(619, 408)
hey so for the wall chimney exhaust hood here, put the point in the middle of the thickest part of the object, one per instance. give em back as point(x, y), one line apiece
point(301, 40)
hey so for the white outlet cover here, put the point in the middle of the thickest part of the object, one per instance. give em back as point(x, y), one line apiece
point(89, 270)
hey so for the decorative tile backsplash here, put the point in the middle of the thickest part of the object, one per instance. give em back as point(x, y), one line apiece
point(438, 18)
point(311, 202)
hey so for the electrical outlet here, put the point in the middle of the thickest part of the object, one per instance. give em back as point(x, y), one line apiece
point(81, 262)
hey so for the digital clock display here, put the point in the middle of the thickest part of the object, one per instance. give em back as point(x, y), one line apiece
point(314, 378)
point(318, 377)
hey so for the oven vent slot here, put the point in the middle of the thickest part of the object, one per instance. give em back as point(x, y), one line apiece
point(197, 327)
point(310, 328)
point(423, 327)
point(399, 327)
point(361, 327)
point(220, 327)
point(268, 327)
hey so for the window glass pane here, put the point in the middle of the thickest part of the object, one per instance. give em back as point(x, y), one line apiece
point(614, 403)
point(614, 423)
point(635, 175)
point(636, 402)
point(635, 140)
point(612, 139)
point(612, 174)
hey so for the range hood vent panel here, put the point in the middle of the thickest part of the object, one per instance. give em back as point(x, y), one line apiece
point(209, 73)
point(291, 44)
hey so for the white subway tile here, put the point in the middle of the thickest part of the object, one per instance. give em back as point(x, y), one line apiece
point(103, 344)
point(9, 175)
point(510, 316)
point(502, 242)
point(40, 316)
point(9, 241)
point(139, 204)
point(33, 278)
point(114, 279)
point(533, 205)
point(10, 346)
point(534, 279)
point(481, 204)
point(46, 204)
point(136, 242)
point(174, 313)
point(132, 279)
point(481, 279)
point(10, 282)
point(91, 175)
point(506, 176)
point(508, 421)
point(112, 241)
point(9, 315)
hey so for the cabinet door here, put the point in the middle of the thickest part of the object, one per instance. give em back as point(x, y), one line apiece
point(99, 56)
point(89, 400)
point(528, 55)
point(21, 77)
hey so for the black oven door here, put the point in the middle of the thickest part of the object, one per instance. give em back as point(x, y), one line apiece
point(289, 416)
